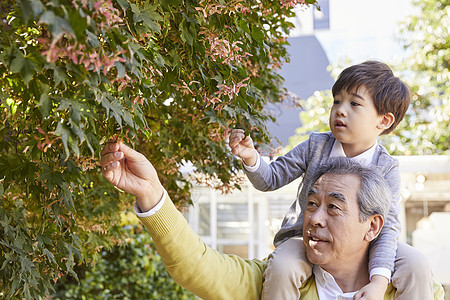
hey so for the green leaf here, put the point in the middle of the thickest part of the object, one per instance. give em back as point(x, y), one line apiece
point(57, 24)
point(159, 60)
point(121, 71)
point(148, 16)
point(115, 107)
point(124, 4)
point(26, 265)
point(23, 65)
point(44, 101)
point(64, 132)
point(186, 35)
point(79, 24)
point(92, 39)
point(49, 255)
point(68, 199)
point(26, 291)
point(257, 34)
point(30, 8)
point(60, 76)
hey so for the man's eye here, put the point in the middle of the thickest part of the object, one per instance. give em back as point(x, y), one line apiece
point(332, 206)
point(311, 204)
point(336, 102)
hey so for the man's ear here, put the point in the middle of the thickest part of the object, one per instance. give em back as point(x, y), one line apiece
point(376, 223)
point(387, 120)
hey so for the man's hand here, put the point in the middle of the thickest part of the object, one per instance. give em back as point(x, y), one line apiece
point(131, 172)
point(243, 147)
point(374, 290)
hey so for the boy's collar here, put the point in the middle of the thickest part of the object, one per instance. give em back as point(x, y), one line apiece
point(365, 158)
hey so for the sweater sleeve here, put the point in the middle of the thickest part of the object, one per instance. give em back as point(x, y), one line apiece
point(193, 265)
point(384, 249)
point(282, 171)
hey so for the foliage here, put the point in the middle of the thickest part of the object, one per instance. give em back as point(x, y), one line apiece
point(132, 270)
point(425, 35)
point(426, 68)
point(314, 117)
point(167, 76)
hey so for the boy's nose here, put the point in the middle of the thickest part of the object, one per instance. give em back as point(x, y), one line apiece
point(340, 111)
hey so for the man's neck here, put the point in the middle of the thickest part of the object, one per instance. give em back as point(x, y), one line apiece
point(352, 282)
point(351, 278)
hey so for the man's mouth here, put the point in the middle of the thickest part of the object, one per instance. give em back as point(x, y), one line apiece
point(315, 239)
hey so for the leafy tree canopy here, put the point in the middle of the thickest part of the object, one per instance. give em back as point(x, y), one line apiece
point(168, 76)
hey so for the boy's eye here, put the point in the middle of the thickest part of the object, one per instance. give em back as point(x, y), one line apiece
point(355, 104)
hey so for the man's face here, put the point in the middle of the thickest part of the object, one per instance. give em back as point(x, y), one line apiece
point(334, 237)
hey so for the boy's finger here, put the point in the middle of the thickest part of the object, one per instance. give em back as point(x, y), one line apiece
point(237, 130)
point(236, 140)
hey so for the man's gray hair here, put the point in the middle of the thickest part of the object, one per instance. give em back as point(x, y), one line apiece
point(374, 196)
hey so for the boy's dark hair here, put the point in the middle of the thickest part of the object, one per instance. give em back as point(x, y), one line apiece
point(389, 93)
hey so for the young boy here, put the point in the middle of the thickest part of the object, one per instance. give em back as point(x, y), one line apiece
point(368, 101)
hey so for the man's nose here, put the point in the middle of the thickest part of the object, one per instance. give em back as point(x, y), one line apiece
point(318, 217)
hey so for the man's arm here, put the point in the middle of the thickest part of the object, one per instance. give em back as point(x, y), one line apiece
point(195, 266)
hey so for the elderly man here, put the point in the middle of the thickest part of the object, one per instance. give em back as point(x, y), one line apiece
point(345, 212)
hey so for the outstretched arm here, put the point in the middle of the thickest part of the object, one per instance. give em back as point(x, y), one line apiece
point(191, 263)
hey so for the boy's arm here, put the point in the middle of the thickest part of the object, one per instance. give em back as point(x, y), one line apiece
point(384, 249)
point(282, 171)
point(242, 146)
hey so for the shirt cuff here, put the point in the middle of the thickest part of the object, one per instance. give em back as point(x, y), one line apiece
point(154, 210)
point(382, 272)
point(255, 167)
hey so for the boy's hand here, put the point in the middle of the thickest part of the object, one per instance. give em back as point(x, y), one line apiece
point(243, 147)
point(131, 172)
point(375, 290)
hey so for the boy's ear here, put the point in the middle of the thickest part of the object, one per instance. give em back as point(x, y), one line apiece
point(386, 121)
point(376, 223)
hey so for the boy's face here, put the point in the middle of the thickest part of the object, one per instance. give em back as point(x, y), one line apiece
point(355, 122)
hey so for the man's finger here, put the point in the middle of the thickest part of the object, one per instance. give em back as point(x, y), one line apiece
point(129, 153)
point(111, 146)
point(108, 170)
point(110, 157)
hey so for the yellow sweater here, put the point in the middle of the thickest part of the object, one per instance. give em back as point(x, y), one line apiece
point(208, 273)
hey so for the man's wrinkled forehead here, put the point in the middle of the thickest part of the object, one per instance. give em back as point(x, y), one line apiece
point(339, 186)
